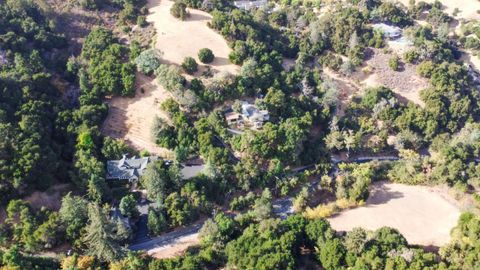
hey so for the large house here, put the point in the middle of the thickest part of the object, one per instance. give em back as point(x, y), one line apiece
point(250, 115)
point(127, 168)
point(131, 169)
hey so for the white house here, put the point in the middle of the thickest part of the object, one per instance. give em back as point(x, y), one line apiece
point(390, 31)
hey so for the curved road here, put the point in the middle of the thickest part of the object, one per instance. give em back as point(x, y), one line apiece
point(281, 207)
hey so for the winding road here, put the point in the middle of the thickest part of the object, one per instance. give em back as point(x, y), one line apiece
point(282, 207)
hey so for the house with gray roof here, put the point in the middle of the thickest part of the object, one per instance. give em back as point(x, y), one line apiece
point(127, 168)
point(249, 115)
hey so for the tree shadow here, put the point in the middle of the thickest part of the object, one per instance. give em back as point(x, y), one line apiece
point(380, 194)
point(220, 61)
point(197, 17)
point(431, 248)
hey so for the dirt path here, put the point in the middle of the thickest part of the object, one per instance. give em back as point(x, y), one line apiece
point(178, 39)
point(131, 119)
point(423, 215)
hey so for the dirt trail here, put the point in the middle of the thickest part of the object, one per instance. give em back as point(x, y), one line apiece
point(422, 214)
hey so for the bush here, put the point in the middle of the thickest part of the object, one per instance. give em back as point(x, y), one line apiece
point(170, 77)
point(91, 4)
point(425, 69)
point(410, 56)
point(321, 211)
point(179, 10)
point(148, 61)
point(394, 63)
point(205, 55)
point(142, 21)
point(189, 65)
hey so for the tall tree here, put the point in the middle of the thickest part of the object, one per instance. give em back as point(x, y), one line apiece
point(100, 238)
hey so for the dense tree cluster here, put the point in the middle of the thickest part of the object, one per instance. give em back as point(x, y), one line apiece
point(46, 141)
point(31, 148)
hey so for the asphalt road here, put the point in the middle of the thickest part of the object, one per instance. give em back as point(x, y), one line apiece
point(167, 238)
point(281, 207)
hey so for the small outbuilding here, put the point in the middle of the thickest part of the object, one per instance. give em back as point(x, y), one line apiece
point(247, 5)
point(390, 31)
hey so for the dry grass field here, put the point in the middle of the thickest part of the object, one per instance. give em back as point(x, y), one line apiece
point(177, 248)
point(405, 82)
point(131, 119)
point(178, 39)
point(423, 215)
point(467, 8)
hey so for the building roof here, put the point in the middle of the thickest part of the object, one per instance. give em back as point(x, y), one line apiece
point(247, 5)
point(388, 30)
point(127, 168)
point(252, 113)
point(232, 116)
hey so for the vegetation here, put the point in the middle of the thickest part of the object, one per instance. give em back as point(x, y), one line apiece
point(52, 109)
point(205, 55)
point(148, 61)
point(179, 10)
point(189, 65)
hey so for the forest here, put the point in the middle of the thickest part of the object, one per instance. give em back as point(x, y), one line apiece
point(50, 141)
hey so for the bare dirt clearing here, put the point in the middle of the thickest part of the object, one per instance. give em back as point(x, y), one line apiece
point(467, 8)
point(176, 248)
point(422, 214)
point(178, 39)
point(131, 119)
point(405, 82)
point(50, 199)
point(347, 88)
point(471, 59)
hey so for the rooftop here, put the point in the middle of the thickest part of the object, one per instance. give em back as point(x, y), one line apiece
point(127, 168)
point(247, 5)
point(390, 31)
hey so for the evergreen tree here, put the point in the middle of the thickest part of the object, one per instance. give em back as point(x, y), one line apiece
point(101, 239)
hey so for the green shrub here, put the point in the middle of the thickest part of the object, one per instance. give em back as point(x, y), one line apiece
point(189, 65)
point(410, 56)
point(206, 55)
point(394, 63)
point(148, 61)
point(142, 21)
point(179, 10)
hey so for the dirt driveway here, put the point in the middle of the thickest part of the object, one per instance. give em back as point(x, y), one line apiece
point(423, 215)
